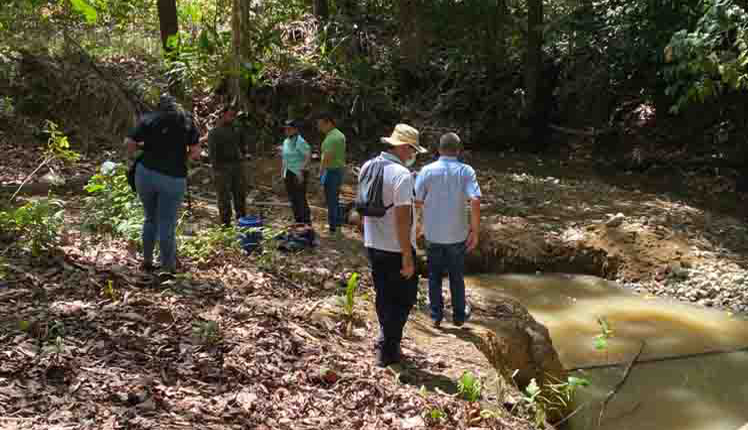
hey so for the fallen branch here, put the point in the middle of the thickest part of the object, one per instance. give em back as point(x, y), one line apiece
point(660, 359)
point(30, 175)
point(568, 417)
point(620, 383)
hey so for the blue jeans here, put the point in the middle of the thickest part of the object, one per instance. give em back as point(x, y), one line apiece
point(451, 259)
point(161, 196)
point(333, 181)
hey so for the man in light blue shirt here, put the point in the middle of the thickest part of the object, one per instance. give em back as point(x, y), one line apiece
point(443, 189)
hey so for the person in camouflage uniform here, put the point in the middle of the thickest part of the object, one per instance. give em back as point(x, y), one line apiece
point(227, 149)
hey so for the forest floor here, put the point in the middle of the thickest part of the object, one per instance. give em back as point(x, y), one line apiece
point(87, 341)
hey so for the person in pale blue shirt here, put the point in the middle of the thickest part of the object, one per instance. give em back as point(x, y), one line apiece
point(296, 154)
point(443, 189)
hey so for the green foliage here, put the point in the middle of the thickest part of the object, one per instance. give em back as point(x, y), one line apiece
point(436, 415)
point(84, 8)
point(711, 58)
point(469, 387)
point(601, 340)
point(210, 243)
point(39, 222)
point(58, 146)
point(7, 108)
point(269, 258)
point(208, 332)
point(348, 301)
point(111, 207)
point(551, 399)
point(108, 291)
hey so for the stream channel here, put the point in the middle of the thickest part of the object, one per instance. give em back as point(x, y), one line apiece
point(685, 381)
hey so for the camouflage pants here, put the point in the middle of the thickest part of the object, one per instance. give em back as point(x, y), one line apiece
point(231, 185)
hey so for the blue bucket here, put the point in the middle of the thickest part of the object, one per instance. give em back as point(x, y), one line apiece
point(251, 240)
point(250, 221)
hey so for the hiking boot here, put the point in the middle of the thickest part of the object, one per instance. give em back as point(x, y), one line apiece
point(147, 267)
point(384, 358)
point(436, 323)
point(388, 355)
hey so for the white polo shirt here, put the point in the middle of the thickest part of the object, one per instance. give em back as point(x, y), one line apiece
point(397, 190)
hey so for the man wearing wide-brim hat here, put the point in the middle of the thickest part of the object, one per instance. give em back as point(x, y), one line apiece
point(390, 241)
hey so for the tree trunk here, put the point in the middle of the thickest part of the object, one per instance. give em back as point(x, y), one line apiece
point(497, 36)
point(168, 22)
point(321, 9)
point(534, 67)
point(239, 24)
point(411, 40)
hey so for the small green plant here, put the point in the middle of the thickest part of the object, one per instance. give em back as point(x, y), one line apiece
point(39, 222)
point(207, 331)
point(108, 291)
point(469, 387)
point(111, 207)
point(348, 301)
point(436, 415)
point(601, 340)
point(211, 242)
point(551, 399)
point(269, 257)
point(6, 106)
point(58, 148)
point(56, 335)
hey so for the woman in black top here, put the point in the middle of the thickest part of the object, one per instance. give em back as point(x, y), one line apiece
point(167, 137)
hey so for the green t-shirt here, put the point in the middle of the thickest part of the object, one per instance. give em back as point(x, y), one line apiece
point(334, 144)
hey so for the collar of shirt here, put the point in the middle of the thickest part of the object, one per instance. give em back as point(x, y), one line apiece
point(447, 158)
point(391, 157)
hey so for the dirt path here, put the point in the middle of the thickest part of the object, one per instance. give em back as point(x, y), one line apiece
point(233, 343)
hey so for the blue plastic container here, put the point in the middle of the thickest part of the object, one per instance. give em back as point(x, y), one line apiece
point(250, 221)
point(251, 240)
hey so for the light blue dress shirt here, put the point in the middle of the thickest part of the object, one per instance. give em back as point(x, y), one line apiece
point(445, 186)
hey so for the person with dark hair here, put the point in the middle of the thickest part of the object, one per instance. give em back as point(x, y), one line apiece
point(227, 148)
point(167, 137)
point(443, 188)
point(296, 154)
point(331, 167)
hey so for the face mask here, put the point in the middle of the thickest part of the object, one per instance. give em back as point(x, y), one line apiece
point(410, 161)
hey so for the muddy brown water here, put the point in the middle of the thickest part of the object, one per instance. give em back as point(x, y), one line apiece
point(685, 381)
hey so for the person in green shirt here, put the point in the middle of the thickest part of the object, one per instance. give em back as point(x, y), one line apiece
point(331, 167)
point(227, 148)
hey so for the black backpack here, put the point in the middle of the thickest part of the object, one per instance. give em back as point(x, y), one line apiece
point(369, 201)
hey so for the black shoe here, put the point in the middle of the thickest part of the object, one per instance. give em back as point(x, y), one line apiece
point(436, 323)
point(147, 267)
point(459, 323)
point(385, 358)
